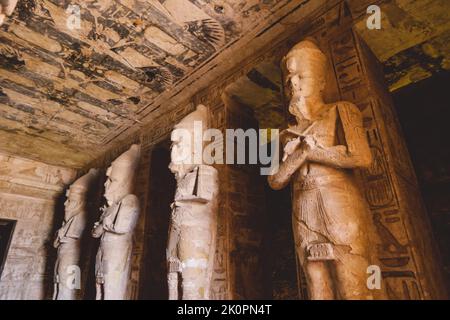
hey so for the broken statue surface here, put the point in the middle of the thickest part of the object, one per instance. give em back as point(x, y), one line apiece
point(193, 223)
point(69, 239)
point(330, 218)
point(115, 228)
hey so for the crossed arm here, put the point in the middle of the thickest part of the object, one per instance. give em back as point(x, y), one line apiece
point(122, 222)
point(354, 154)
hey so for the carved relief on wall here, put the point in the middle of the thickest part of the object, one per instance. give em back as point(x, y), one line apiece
point(27, 191)
point(34, 210)
point(142, 184)
point(34, 174)
point(394, 254)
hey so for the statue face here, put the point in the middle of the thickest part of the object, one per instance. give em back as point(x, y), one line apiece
point(113, 186)
point(72, 204)
point(302, 81)
point(181, 153)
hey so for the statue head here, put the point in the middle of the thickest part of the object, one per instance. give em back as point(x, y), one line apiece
point(187, 141)
point(76, 194)
point(6, 9)
point(120, 175)
point(305, 68)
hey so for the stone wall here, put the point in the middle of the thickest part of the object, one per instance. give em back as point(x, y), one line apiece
point(425, 124)
point(241, 260)
point(29, 194)
point(161, 192)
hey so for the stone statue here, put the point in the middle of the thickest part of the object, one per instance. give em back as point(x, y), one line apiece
point(69, 237)
point(193, 223)
point(116, 227)
point(6, 9)
point(330, 218)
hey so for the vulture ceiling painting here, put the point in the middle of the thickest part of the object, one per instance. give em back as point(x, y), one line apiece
point(73, 72)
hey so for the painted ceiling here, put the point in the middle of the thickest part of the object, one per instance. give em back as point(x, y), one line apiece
point(67, 86)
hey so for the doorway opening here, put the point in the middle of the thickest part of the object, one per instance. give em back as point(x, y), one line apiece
point(6, 232)
point(424, 113)
point(161, 194)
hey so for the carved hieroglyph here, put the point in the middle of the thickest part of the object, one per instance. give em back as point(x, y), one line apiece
point(116, 227)
point(69, 237)
point(329, 216)
point(193, 224)
point(6, 9)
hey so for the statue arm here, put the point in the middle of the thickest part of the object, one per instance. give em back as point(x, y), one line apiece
point(293, 162)
point(57, 241)
point(63, 234)
point(171, 252)
point(356, 153)
point(98, 230)
point(77, 226)
point(126, 218)
point(203, 194)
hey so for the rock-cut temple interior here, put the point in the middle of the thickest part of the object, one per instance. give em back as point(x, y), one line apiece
point(97, 200)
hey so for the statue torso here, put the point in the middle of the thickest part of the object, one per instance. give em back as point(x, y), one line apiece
point(119, 216)
point(324, 130)
point(201, 182)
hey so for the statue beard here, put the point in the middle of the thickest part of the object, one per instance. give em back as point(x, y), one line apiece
point(180, 170)
point(297, 105)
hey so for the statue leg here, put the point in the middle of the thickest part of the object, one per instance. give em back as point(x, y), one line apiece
point(194, 254)
point(172, 282)
point(317, 272)
point(173, 263)
point(318, 280)
point(55, 291)
point(98, 291)
point(351, 274)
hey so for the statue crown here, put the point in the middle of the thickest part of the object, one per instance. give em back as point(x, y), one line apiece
point(82, 184)
point(128, 161)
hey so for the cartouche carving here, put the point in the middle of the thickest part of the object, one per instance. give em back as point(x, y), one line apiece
point(329, 216)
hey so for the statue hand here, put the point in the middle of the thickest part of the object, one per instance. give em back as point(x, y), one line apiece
point(290, 147)
point(97, 231)
point(56, 242)
point(308, 143)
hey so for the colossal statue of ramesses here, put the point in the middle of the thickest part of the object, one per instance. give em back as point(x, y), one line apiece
point(330, 218)
point(116, 226)
point(68, 238)
point(193, 223)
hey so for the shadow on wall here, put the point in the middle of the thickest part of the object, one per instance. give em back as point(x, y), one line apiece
point(424, 113)
point(89, 245)
point(161, 194)
point(50, 251)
